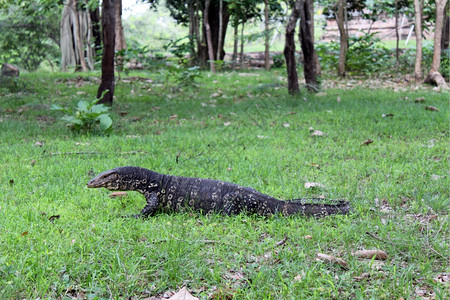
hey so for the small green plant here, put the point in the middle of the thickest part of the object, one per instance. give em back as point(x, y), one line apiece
point(182, 75)
point(278, 60)
point(365, 55)
point(86, 116)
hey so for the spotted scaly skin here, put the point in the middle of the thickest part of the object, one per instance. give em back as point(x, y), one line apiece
point(172, 193)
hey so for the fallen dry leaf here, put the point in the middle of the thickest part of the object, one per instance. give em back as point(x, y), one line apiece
point(442, 278)
point(311, 185)
point(315, 165)
point(183, 294)
point(227, 124)
point(38, 144)
point(317, 133)
point(367, 142)
point(215, 95)
point(33, 162)
point(117, 194)
point(173, 117)
point(234, 275)
point(431, 108)
point(361, 277)
point(307, 237)
point(25, 233)
point(298, 278)
point(286, 125)
point(419, 99)
point(332, 259)
point(378, 254)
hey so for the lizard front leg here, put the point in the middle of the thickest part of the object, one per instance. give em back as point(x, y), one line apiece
point(151, 206)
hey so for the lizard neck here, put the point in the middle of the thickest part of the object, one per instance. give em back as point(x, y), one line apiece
point(140, 179)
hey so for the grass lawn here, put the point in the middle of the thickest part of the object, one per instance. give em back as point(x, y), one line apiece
point(59, 239)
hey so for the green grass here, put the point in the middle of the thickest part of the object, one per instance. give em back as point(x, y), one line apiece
point(397, 186)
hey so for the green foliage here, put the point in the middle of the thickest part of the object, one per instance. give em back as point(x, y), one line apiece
point(180, 73)
point(29, 33)
point(445, 63)
point(130, 54)
point(163, 29)
point(407, 59)
point(365, 55)
point(86, 116)
point(278, 60)
point(11, 84)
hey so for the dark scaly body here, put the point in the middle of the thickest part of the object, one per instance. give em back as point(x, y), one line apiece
point(172, 193)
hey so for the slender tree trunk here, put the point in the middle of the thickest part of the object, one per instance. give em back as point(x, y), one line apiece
point(316, 58)
point(397, 49)
point(445, 29)
point(199, 36)
point(208, 37)
point(109, 36)
point(289, 50)
point(120, 37)
point(192, 26)
point(418, 11)
point(242, 46)
point(220, 42)
point(342, 37)
point(96, 30)
point(434, 76)
point(77, 35)
point(266, 36)
point(307, 45)
point(235, 46)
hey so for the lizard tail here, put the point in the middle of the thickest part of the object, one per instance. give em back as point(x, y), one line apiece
point(309, 208)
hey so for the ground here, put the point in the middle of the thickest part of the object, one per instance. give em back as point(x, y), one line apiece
point(381, 147)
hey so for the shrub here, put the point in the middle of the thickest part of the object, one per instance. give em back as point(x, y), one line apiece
point(86, 116)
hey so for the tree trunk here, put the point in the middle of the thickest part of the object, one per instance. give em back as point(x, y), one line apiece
point(220, 43)
point(397, 37)
point(200, 55)
point(316, 58)
point(213, 20)
point(96, 30)
point(109, 36)
point(307, 45)
point(343, 43)
point(289, 50)
point(242, 47)
point(418, 11)
point(192, 28)
point(235, 46)
point(208, 37)
point(120, 43)
point(445, 29)
point(266, 36)
point(76, 34)
point(434, 77)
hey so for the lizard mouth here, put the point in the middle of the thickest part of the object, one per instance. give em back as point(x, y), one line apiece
point(102, 180)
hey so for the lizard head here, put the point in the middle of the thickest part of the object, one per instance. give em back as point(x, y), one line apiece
point(119, 179)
